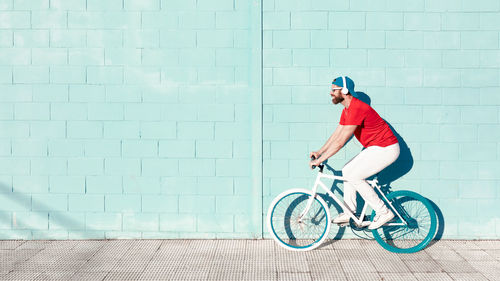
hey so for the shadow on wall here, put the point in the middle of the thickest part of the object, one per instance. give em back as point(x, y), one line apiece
point(26, 203)
point(398, 169)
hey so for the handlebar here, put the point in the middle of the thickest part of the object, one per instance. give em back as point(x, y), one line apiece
point(321, 166)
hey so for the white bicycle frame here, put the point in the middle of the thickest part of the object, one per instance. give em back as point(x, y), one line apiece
point(358, 221)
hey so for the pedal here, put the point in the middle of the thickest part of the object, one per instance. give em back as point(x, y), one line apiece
point(343, 224)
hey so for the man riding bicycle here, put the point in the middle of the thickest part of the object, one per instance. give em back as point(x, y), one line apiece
point(381, 148)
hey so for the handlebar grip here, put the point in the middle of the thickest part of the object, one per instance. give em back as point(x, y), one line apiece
point(313, 158)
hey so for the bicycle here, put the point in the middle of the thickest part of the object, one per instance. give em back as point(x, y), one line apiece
point(299, 219)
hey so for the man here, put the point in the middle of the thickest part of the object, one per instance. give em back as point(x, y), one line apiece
point(381, 148)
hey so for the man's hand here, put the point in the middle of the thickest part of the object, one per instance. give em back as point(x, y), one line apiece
point(314, 163)
point(315, 154)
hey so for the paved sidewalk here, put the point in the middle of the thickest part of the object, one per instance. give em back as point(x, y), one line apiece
point(243, 260)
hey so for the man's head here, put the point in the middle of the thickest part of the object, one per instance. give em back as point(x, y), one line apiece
point(342, 87)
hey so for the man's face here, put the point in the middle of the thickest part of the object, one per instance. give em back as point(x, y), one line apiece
point(336, 95)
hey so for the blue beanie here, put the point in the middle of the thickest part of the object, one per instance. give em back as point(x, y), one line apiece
point(349, 84)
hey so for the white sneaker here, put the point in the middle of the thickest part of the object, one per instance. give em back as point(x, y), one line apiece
point(381, 219)
point(342, 218)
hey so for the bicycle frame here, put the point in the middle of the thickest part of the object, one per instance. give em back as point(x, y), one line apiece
point(358, 221)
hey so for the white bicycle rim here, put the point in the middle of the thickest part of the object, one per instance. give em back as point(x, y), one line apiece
point(276, 200)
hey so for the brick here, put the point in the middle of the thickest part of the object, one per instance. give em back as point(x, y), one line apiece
point(179, 185)
point(215, 5)
point(232, 131)
point(458, 96)
point(339, 20)
point(122, 203)
point(180, 5)
point(104, 75)
point(217, 76)
point(291, 76)
point(309, 20)
point(197, 57)
point(214, 149)
point(145, 5)
point(140, 222)
point(31, 111)
point(450, 133)
point(30, 74)
point(66, 221)
point(142, 75)
point(366, 39)
point(49, 166)
point(404, 77)
point(5, 148)
point(442, 40)
point(215, 223)
point(85, 166)
point(233, 205)
point(328, 39)
point(232, 57)
point(87, 93)
point(159, 203)
point(122, 166)
point(160, 57)
point(29, 148)
point(49, 202)
point(348, 57)
point(160, 167)
point(276, 20)
point(50, 57)
point(178, 222)
point(488, 170)
point(477, 189)
point(111, 5)
point(67, 38)
point(177, 149)
point(104, 20)
point(67, 184)
point(31, 38)
point(440, 151)
point(15, 19)
point(215, 185)
point(480, 77)
point(106, 148)
point(103, 221)
point(6, 38)
point(158, 130)
point(177, 39)
point(384, 21)
point(454, 170)
point(6, 75)
point(277, 57)
point(103, 184)
point(479, 115)
point(233, 167)
point(50, 93)
point(461, 59)
point(67, 75)
point(142, 185)
point(198, 20)
point(460, 21)
point(197, 167)
point(310, 57)
point(31, 220)
point(481, 6)
point(71, 5)
point(15, 56)
point(14, 202)
point(475, 152)
point(292, 5)
point(122, 94)
point(195, 130)
point(420, 133)
point(86, 203)
point(85, 129)
point(479, 40)
point(104, 38)
point(489, 96)
point(140, 148)
point(216, 112)
point(291, 39)
point(125, 57)
point(431, 96)
point(14, 166)
point(441, 78)
point(441, 114)
point(191, 94)
point(68, 111)
point(422, 21)
point(488, 21)
point(142, 111)
point(122, 129)
point(405, 40)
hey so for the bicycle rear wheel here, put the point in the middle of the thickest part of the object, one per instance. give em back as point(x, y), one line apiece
point(420, 228)
point(292, 231)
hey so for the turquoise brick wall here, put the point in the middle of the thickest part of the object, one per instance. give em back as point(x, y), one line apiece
point(184, 118)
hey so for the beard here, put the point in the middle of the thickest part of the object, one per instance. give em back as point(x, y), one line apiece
point(337, 99)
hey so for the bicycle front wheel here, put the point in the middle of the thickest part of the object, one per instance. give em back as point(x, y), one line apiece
point(292, 231)
point(420, 227)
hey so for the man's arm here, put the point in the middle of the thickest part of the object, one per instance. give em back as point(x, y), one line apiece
point(331, 139)
point(336, 144)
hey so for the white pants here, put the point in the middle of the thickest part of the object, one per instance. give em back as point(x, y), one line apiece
point(368, 162)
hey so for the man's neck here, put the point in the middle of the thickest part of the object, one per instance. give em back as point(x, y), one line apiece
point(347, 101)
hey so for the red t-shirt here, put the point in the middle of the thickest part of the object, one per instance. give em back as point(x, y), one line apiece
point(372, 130)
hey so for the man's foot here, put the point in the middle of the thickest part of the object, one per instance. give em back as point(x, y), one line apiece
point(341, 218)
point(381, 219)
